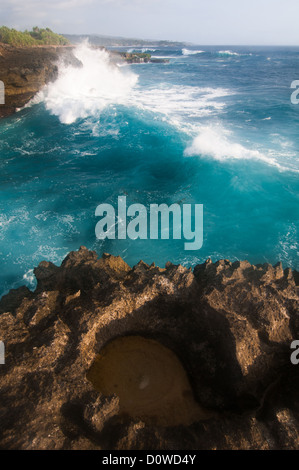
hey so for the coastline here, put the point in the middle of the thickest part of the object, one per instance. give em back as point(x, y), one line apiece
point(230, 325)
point(216, 340)
point(25, 70)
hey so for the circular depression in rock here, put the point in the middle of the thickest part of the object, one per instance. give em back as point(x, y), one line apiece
point(149, 380)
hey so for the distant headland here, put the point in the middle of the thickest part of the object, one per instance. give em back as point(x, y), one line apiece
point(116, 41)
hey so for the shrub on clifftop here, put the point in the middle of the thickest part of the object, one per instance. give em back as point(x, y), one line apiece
point(36, 37)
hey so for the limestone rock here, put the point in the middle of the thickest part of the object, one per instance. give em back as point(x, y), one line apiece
point(25, 70)
point(229, 326)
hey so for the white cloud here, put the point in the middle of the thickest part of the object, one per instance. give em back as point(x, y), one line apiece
point(198, 21)
point(20, 14)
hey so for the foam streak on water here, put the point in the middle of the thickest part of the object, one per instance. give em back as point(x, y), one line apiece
point(85, 91)
point(214, 126)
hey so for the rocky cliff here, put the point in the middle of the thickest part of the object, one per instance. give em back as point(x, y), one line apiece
point(25, 70)
point(102, 356)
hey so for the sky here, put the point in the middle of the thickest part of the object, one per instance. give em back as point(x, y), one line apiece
point(227, 22)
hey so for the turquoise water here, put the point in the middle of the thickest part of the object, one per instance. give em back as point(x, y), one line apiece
point(215, 127)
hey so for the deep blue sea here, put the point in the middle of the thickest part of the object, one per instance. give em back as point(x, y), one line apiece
point(214, 126)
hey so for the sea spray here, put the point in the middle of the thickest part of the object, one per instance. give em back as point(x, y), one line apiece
point(217, 142)
point(87, 91)
point(191, 52)
point(60, 173)
point(80, 92)
point(214, 141)
point(83, 91)
point(228, 53)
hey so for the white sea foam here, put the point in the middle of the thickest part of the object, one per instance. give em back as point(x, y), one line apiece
point(214, 142)
point(218, 143)
point(180, 103)
point(164, 57)
point(86, 91)
point(228, 53)
point(141, 50)
point(80, 92)
point(5, 222)
point(232, 53)
point(191, 52)
point(29, 278)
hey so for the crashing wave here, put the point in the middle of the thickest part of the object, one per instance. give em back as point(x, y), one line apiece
point(191, 52)
point(84, 91)
point(228, 53)
point(218, 143)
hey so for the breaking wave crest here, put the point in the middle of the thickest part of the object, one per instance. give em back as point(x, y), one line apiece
point(84, 91)
point(191, 52)
point(228, 53)
point(218, 143)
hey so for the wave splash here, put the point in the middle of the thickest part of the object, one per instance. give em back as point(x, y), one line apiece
point(228, 53)
point(81, 92)
point(180, 104)
point(142, 50)
point(85, 92)
point(218, 143)
point(191, 52)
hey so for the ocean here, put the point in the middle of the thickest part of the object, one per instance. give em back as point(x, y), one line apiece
point(213, 126)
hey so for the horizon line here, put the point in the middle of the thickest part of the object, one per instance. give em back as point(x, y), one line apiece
point(177, 41)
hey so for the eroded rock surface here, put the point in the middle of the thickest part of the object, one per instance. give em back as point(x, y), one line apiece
point(229, 325)
point(26, 70)
point(148, 380)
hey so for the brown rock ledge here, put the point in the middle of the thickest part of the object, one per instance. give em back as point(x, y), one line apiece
point(25, 70)
point(226, 327)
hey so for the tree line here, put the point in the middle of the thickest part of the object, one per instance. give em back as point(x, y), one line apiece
point(36, 37)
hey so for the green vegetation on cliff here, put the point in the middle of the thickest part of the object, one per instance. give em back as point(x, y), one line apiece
point(36, 37)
